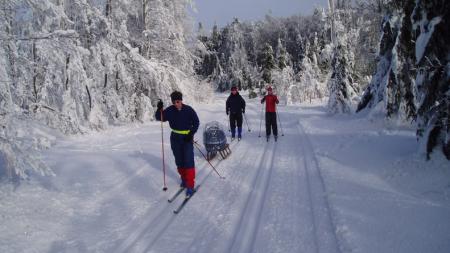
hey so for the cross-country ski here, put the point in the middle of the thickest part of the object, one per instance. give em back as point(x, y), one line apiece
point(176, 194)
point(185, 201)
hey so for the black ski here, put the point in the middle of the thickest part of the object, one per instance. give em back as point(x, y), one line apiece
point(176, 194)
point(180, 207)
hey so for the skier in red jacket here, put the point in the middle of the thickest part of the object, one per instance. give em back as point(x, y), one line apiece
point(271, 113)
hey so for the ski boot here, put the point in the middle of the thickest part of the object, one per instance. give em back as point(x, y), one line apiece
point(275, 137)
point(189, 192)
point(268, 138)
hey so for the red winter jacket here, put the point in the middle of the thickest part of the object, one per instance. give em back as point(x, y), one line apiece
point(270, 100)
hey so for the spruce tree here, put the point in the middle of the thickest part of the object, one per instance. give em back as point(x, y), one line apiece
point(268, 63)
point(281, 55)
point(340, 84)
point(431, 22)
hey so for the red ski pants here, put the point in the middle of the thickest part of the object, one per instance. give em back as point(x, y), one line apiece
point(188, 176)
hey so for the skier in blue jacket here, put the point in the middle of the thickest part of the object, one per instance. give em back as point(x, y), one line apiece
point(184, 122)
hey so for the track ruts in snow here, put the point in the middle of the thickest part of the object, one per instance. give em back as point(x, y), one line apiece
point(208, 234)
point(324, 228)
point(247, 227)
point(153, 227)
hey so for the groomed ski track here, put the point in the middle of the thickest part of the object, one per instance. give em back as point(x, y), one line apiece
point(336, 183)
point(272, 200)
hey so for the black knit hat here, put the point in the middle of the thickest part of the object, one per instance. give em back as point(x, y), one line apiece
point(176, 95)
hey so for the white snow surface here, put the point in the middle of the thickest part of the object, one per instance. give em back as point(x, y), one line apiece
point(331, 184)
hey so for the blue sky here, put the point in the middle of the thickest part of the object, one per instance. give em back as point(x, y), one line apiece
point(223, 11)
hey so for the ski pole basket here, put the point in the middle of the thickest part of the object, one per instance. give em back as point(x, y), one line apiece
point(215, 141)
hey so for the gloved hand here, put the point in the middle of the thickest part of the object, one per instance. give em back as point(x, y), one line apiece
point(189, 137)
point(243, 110)
point(160, 105)
point(228, 112)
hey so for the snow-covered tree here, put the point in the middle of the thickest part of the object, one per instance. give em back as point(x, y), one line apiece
point(165, 30)
point(281, 54)
point(432, 50)
point(376, 91)
point(76, 65)
point(341, 83)
point(268, 63)
point(412, 81)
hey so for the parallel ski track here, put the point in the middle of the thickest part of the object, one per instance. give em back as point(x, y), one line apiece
point(325, 237)
point(244, 235)
point(152, 229)
point(206, 233)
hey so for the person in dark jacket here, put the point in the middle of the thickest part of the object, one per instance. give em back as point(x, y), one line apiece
point(271, 101)
point(235, 107)
point(184, 122)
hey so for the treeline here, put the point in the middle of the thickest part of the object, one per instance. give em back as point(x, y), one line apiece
point(388, 56)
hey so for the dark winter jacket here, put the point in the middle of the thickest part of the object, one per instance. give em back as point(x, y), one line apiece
point(270, 100)
point(184, 119)
point(235, 104)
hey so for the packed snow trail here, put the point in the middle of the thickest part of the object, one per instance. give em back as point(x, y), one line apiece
point(331, 184)
point(266, 203)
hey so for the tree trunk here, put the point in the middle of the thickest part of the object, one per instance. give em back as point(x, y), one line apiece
point(35, 91)
point(144, 12)
point(89, 96)
point(108, 8)
point(117, 80)
point(67, 74)
point(332, 33)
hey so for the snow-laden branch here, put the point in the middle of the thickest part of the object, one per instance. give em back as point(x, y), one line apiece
point(59, 34)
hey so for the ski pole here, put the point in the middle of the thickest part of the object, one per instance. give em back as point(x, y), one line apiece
point(196, 145)
point(260, 120)
point(162, 150)
point(246, 121)
point(281, 125)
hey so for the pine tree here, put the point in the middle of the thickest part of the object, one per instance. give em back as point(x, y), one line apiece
point(340, 84)
point(215, 39)
point(281, 55)
point(268, 63)
point(431, 20)
point(375, 92)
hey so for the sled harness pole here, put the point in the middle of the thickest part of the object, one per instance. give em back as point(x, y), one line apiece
point(197, 146)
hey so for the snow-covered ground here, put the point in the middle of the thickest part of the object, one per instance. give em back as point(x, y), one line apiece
point(330, 184)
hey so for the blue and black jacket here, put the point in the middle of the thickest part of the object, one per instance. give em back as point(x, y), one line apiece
point(180, 120)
